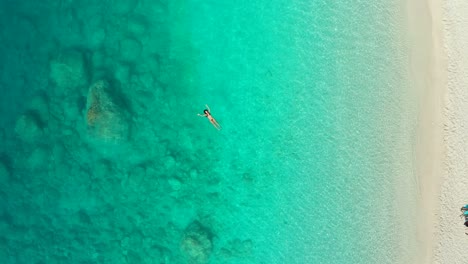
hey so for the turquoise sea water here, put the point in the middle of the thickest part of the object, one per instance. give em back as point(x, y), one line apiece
point(104, 160)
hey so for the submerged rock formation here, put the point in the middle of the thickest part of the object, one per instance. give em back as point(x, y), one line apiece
point(196, 243)
point(105, 119)
point(29, 128)
point(68, 71)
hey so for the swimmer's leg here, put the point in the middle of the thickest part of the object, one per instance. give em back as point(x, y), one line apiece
point(215, 124)
point(218, 125)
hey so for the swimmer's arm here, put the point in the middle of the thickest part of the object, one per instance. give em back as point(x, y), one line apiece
point(201, 115)
point(207, 107)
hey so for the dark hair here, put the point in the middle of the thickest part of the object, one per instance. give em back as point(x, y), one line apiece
point(206, 111)
point(466, 223)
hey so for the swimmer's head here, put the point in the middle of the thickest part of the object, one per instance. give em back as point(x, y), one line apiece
point(206, 111)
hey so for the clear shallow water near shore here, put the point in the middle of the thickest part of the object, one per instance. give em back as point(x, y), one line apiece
point(307, 167)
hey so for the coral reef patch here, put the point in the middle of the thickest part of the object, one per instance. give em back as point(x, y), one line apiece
point(197, 243)
point(106, 120)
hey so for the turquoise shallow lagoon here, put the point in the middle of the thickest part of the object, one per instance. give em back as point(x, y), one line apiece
point(104, 159)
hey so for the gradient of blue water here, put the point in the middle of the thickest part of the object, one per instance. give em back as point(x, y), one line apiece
point(305, 169)
point(307, 92)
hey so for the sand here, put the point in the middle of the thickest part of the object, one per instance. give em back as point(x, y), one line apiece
point(451, 242)
point(425, 58)
point(438, 33)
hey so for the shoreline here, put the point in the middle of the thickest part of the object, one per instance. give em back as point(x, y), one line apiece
point(439, 77)
point(428, 77)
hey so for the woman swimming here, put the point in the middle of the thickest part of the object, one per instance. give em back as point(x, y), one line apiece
point(206, 113)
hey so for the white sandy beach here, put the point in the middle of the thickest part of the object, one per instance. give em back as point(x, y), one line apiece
point(438, 33)
point(451, 242)
point(427, 79)
point(440, 69)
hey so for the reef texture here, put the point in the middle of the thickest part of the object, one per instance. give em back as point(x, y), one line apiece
point(68, 71)
point(197, 244)
point(105, 119)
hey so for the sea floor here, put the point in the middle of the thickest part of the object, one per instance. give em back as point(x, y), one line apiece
point(104, 159)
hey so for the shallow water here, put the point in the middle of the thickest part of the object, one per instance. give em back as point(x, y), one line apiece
point(314, 147)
